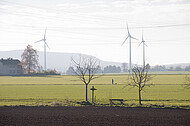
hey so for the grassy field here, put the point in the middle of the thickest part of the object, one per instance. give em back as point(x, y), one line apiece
point(70, 80)
point(67, 90)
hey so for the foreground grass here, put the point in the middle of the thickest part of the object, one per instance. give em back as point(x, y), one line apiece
point(67, 90)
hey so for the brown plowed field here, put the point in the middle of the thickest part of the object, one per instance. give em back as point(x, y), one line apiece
point(96, 116)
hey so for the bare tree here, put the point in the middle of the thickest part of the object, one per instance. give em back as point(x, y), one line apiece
point(86, 69)
point(29, 60)
point(139, 78)
point(187, 82)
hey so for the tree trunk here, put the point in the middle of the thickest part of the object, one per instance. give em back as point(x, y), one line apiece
point(86, 92)
point(29, 65)
point(139, 96)
point(29, 68)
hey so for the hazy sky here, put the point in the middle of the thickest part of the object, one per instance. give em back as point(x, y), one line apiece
point(98, 28)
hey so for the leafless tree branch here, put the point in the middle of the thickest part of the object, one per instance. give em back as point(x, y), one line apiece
point(139, 79)
point(85, 69)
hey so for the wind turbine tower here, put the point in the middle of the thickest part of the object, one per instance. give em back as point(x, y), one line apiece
point(143, 42)
point(45, 44)
point(130, 37)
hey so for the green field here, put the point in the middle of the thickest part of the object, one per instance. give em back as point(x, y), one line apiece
point(67, 90)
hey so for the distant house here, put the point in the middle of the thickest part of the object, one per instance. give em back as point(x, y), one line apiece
point(10, 67)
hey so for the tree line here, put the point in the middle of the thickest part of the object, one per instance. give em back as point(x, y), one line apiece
point(107, 69)
point(124, 68)
point(164, 68)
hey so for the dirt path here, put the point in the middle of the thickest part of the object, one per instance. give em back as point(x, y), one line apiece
point(96, 116)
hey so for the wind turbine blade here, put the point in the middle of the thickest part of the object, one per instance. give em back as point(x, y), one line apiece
point(134, 38)
point(39, 41)
point(139, 44)
point(145, 45)
point(45, 34)
point(142, 37)
point(128, 30)
point(125, 40)
point(47, 45)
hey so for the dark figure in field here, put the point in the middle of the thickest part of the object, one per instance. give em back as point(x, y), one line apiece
point(112, 81)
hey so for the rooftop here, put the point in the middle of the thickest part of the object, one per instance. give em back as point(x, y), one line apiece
point(9, 61)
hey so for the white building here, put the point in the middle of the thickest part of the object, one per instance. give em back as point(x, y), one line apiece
point(10, 67)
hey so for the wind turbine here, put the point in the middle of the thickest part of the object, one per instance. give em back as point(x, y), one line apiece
point(130, 37)
point(143, 42)
point(45, 44)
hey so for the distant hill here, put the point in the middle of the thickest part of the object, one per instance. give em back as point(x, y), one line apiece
point(62, 61)
point(58, 61)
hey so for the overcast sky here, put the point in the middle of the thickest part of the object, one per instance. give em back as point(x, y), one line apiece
point(98, 28)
